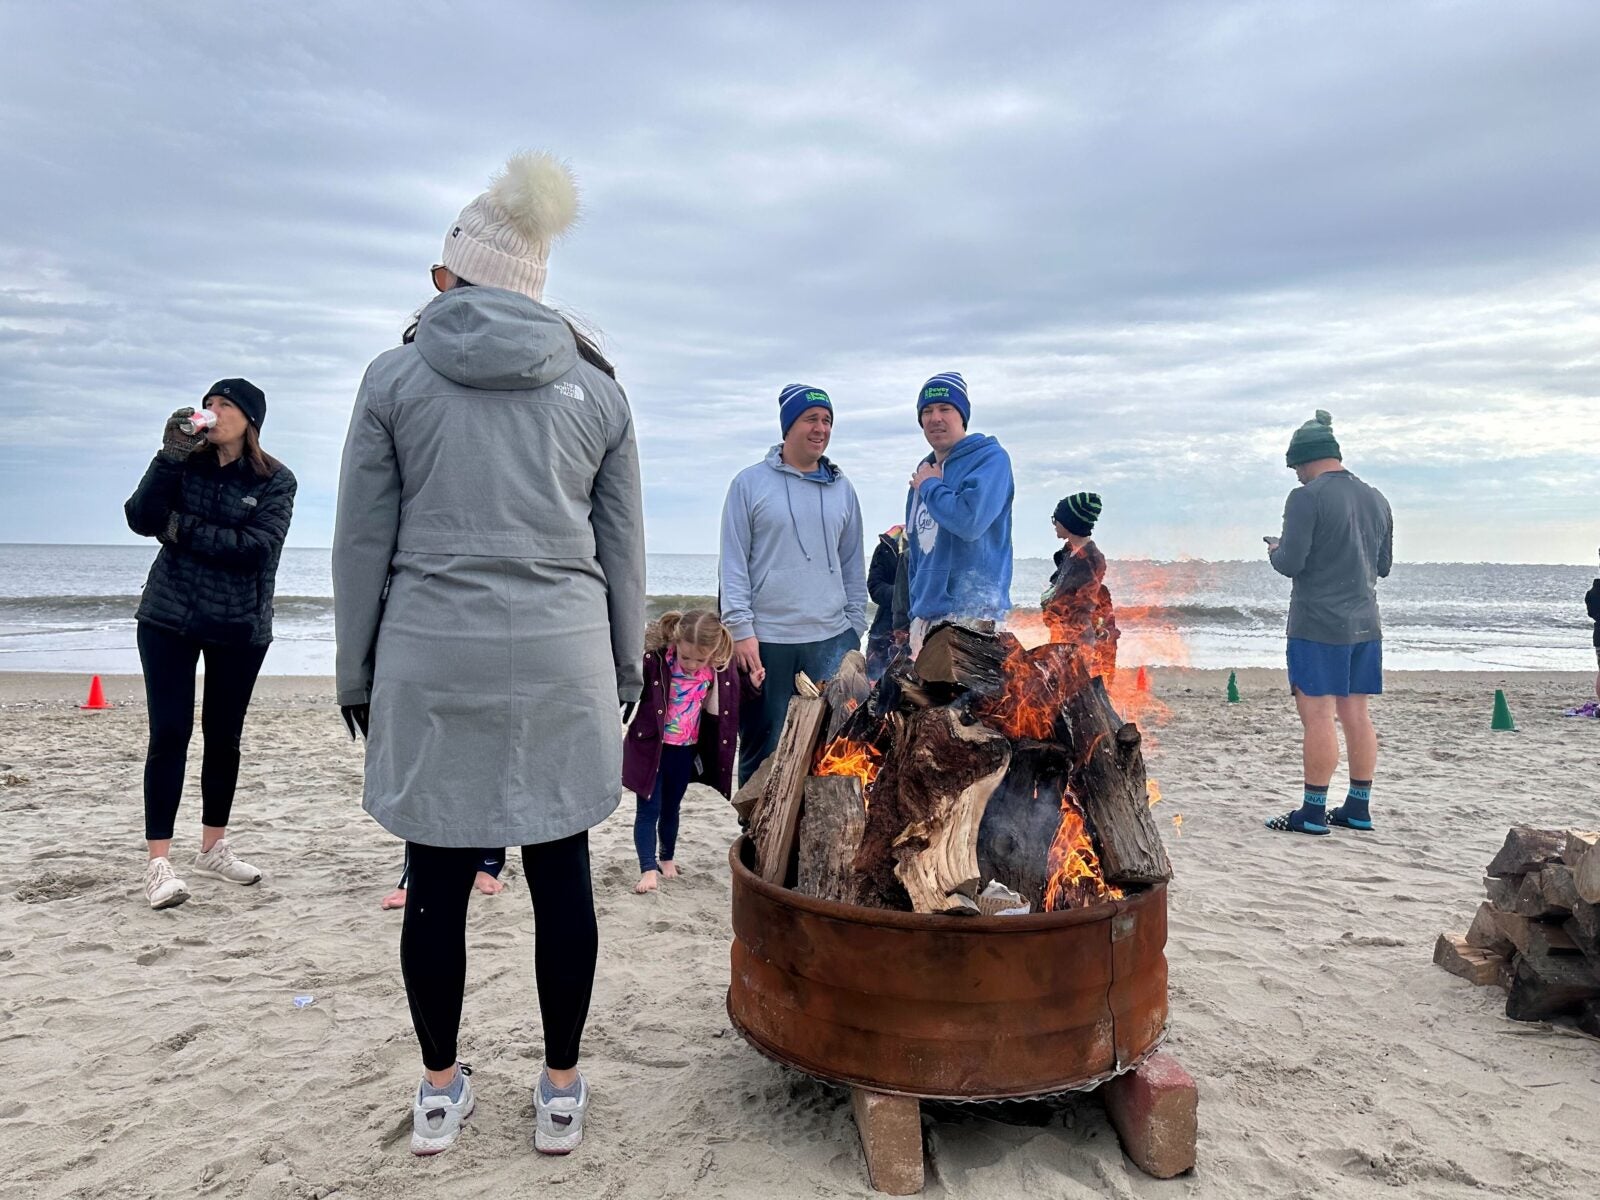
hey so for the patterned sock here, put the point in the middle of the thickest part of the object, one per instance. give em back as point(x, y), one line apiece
point(1355, 803)
point(1314, 809)
point(452, 1092)
point(549, 1091)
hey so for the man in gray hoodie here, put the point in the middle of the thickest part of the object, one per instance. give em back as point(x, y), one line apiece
point(792, 574)
point(1338, 541)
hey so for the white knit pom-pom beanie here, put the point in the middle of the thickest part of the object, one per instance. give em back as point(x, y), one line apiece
point(502, 239)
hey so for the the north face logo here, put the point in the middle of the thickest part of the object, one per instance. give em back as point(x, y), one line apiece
point(571, 391)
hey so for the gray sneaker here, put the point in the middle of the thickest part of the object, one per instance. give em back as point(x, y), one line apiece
point(219, 863)
point(558, 1123)
point(436, 1120)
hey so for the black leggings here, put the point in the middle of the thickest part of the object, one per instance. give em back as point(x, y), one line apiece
point(433, 944)
point(169, 661)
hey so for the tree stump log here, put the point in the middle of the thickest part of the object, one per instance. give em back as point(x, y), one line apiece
point(831, 824)
point(1109, 782)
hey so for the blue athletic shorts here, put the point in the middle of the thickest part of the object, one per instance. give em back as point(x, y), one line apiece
point(1319, 669)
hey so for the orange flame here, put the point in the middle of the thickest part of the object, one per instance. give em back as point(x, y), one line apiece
point(1035, 690)
point(844, 757)
point(1177, 823)
point(1075, 876)
point(1152, 789)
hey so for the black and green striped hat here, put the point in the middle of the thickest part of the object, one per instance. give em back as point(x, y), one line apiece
point(1078, 513)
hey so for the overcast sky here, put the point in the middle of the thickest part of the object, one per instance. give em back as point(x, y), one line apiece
point(1154, 237)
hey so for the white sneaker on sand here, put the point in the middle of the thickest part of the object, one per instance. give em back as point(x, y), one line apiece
point(558, 1123)
point(161, 887)
point(436, 1120)
point(219, 863)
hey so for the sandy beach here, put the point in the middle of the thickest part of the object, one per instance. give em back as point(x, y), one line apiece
point(162, 1053)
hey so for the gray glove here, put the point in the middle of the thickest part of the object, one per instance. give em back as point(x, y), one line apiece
point(177, 445)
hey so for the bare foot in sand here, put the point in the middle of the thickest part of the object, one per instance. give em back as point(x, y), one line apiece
point(488, 884)
point(395, 899)
point(669, 869)
point(647, 883)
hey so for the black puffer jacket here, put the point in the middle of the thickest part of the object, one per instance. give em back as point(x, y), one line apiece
point(1591, 601)
point(214, 577)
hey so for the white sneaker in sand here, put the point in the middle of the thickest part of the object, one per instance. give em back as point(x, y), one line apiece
point(558, 1122)
point(219, 863)
point(161, 887)
point(436, 1120)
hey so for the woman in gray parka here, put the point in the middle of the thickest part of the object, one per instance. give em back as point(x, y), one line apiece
point(488, 574)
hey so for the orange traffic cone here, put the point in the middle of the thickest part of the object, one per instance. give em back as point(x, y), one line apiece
point(1141, 681)
point(97, 696)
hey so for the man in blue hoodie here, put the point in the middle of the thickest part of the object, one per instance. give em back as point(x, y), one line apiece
point(791, 574)
point(958, 516)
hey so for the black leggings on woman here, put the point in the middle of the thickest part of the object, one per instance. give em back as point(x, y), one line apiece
point(433, 943)
point(169, 661)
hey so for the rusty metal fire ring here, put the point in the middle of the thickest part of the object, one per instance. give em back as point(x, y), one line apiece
point(947, 1008)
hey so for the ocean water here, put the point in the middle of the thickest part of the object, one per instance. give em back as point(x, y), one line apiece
point(70, 608)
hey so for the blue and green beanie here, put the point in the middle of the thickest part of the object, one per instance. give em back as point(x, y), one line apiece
point(945, 388)
point(1078, 513)
point(795, 399)
point(1313, 440)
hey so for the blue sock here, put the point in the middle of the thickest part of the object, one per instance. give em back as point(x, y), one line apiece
point(549, 1091)
point(452, 1093)
point(1314, 809)
point(1355, 803)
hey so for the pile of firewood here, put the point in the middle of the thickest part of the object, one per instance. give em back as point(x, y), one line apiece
point(985, 778)
point(1538, 934)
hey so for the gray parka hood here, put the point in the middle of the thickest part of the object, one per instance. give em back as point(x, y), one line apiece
point(490, 338)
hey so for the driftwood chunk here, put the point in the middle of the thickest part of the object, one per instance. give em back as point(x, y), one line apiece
point(1109, 781)
point(1021, 820)
point(745, 799)
point(1480, 967)
point(938, 854)
point(845, 693)
point(831, 825)
point(934, 760)
point(777, 814)
point(1550, 987)
point(1486, 934)
point(1527, 849)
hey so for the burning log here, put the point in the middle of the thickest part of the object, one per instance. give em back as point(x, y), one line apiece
point(776, 815)
point(967, 658)
point(1109, 781)
point(938, 855)
point(925, 782)
point(1022, 816)
point(830, 834)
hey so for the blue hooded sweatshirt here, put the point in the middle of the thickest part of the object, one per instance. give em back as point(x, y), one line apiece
point(958, 532)
point(792, 568)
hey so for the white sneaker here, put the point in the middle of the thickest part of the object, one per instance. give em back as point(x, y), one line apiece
point(436, 1120)
point(161, 887)
point(558, 1123)
point(219, 863)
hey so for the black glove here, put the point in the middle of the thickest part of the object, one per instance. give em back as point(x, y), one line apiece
point(629, 707)
point(177, 445)
point(356, 717)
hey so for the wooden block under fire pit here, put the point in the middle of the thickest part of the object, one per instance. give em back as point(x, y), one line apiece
point(1480, 967)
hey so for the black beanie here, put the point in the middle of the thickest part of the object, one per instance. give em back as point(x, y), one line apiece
point(245, 396)
point(1078, 513)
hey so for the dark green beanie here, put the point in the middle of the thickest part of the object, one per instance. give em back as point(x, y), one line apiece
point(1078, 513)
point(1312, 441)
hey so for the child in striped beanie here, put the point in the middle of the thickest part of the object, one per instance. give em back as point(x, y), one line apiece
point(1076, 604)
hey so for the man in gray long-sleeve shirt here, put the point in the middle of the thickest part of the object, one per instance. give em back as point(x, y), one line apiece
point(1338, 541)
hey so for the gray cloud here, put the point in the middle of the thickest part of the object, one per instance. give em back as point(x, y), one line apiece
point(1154, 238)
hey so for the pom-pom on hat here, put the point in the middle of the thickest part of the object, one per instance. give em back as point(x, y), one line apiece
point(945, 388)
point(244, 395)
point(1078, 513)
point(795, 399)
point(503, 238)
point(1312, 441)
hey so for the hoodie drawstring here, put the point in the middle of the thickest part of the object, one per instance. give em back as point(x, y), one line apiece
point(822, 516)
